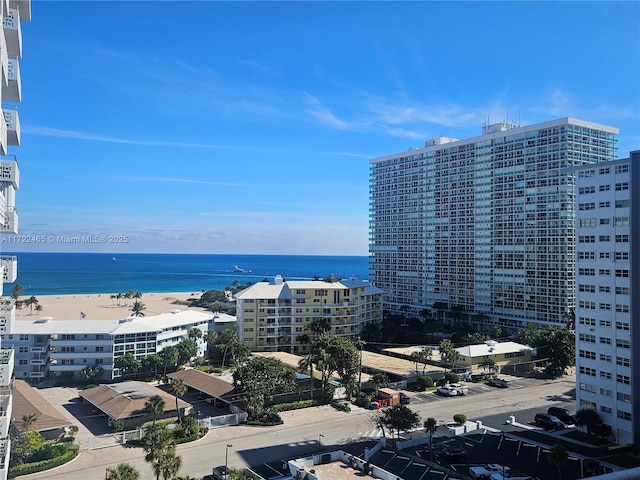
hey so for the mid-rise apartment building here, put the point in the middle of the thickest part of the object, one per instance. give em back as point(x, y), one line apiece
point(485, 224)
point(607, 296)
point(12, 12)
point(48, 349)
point(274, 316)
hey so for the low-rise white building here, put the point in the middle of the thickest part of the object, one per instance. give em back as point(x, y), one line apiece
point(51, 349)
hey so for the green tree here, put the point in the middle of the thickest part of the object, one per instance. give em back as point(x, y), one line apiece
point(178, 388)
point(28, 421)
point(431, 425)
point(228, 338)
point(481, 318)
point(91, 371)
point(398, 418)
point(187, 350)
point(259, 379)
point(122, 471)
point(488, 364)
point(32, 301)
point(154, 406)
point(379, 379)
point(156, 440)
point(16, 291)
point(24, 446)
point(589, 418)
point(448, 354)
point(149, 365)
point(339, 355)
point(138, 308)
point(557, 346)
point(195, 335)
point(169, 357)
point(239, 352)
point(558, 457)
point(423, 357)
point(167, 463)
point(128, 364)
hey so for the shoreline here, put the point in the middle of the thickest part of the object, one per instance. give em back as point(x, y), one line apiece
point(102, 306)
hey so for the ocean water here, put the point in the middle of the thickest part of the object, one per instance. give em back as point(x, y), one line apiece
point(67, 273)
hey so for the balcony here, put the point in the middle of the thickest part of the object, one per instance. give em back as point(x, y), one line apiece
point(13, 90)
point(13, 32)
point(10, 224)
point(38, 349)
point(5, 411)
point(7, 318)
point(12, 119)
point(5, 447)
point(10, 172)
point(10, 264)
point(24, 6)
point(38, 362)
point(4, 62)
point(7, 359)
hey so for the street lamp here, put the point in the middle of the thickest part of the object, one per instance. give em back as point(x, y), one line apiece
point(226, 460)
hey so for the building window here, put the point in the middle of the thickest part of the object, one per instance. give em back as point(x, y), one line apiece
point(605, 323)
point(605, 358)
point(605, 392)
point(622, 186)
point(604, 271)
point(588, 371)
point(587, 321)
point(622, 290)
point(624, 415)
point(624, 168)
point(622, 256)
point(605, 409)
point(623, 273)
point(585, 337)
point(587, 388)
point(623, 397)
point(622, 361)
point(586, 239)
point(623, 343)
point(588, 354)
point(604, 289)
point(604, 204)
point(604, 188)
point(623, 379)
point(605, 221)
point(621, 221)
point(624, 203)
point(606, 375)
point(604, 238)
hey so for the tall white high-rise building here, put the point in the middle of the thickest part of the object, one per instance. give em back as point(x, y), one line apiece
point(607, 297)
point(483, 225)
point(12, 13)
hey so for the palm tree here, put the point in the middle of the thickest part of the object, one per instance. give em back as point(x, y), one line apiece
point(137, 309)
point(558, 456)
point(488, 364)
point(118, 297)
point(379, 379)
point(178, 388)
point(431, 425)
point(28, 421)
point(168, 463)
point(32, 302)
point(156, 440)
point(122, 471)
point(16, 292)
point(154, 407)
point(39, 307)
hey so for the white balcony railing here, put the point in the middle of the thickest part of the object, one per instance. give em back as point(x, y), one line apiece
point(12, 119)
point(25, 8)
point(5, 447)
point(10, 265)
point(4, 62)
point(7, 318)
point(7, 361)
point(5, 413)
point(10, 224)
point(13, 32)
point(10, 172)
point(12, 91)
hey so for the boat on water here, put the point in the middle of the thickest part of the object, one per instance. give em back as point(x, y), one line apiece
point(237, 269)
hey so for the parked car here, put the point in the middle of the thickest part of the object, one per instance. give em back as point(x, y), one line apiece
point(548, 421)
point(486, 470)
point(450, 454)
point(562, 414)
point(461, 389)
point(404, 398)
point(498, 382)
point(447, 390)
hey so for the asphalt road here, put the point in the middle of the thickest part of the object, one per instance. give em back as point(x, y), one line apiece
point(308, 430)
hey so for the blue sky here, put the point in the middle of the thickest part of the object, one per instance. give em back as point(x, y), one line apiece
point(213, 127)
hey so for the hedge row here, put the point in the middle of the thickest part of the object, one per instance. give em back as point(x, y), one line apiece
point(27, 468)
point(283, 407)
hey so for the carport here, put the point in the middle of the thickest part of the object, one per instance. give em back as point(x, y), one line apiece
point(210, 387)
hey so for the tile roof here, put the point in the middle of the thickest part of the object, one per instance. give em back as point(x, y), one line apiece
point(127, 399)
point(27, 400)
point(203, 382)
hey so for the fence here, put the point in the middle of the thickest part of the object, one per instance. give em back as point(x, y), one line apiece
point(223, 420)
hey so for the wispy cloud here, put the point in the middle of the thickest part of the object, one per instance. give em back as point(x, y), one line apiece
point(73, 134)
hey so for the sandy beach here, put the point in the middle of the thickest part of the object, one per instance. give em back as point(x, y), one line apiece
point(102, 306)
